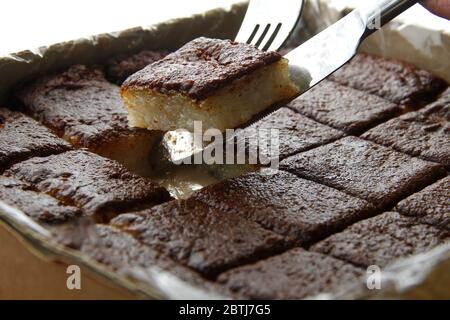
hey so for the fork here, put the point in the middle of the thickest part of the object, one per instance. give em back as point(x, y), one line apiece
point(268, 24)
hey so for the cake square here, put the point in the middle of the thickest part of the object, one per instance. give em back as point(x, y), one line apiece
point(429, 206)
point(120, 68)
point(81, 106)
point(219, 82)
point(295, 274)
point(97, 185)
point(344, 108)
point(207, 240)
point(393, 80)
point(22, 138)
point(364, 169)
point(424, 133)
point(120, 252)
point(381, 240)
point(288, 205)
point(39, 206)
point(296, 132)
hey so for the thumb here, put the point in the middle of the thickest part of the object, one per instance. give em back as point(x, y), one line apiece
point(439, 7)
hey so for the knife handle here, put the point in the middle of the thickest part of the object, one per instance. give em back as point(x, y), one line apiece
point(377, 13)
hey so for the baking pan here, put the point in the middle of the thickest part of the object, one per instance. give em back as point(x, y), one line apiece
point(28, 249)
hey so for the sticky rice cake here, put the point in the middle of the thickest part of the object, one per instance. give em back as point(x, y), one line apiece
point(393, 80)
point(81, 106)
point(120, 68)
point(21, 138)
point(97, 185)
point(295, 274)
point(37, 205)
point(344, 108)
point(286, 204)
point(381, 240)
point(429, 206)
point(219, 82)
point(364, 169)
point(200, 237)
point(424, 133)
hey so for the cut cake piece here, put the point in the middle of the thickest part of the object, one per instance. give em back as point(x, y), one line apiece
point(82, 107)
point(219, 82)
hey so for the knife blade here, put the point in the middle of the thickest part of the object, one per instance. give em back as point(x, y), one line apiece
point(314, 60)
point(317, 58)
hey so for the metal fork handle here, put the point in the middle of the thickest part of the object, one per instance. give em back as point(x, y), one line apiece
point(382, 11)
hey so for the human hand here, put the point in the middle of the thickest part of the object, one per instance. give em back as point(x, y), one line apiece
point(439, 7)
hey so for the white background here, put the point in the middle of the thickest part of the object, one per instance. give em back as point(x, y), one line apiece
point(26, 24)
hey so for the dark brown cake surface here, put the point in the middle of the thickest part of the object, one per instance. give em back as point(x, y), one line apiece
point(344, 108)
point(37, 205)
point(286, 204)
point(296, 132)
point(381, 240)
point(122, 253)
point(424, 134)
point(393, 80)
point(430, 206)
point(200, 237)
point(295, 274)
point(120, 68)
point(364, 169)
point(93, 183)
point(81, 106)
point(201, 67)
point(21, 138)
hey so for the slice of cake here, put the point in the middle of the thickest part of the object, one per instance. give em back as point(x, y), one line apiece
point(120, 252)
point(300, 209)
point(98, 186)
point(429, 206)
point(81, 106)
point(37, 205)
point(382, 240)
point(219, 82)
point(424, 133)
point(200, 237)
point(22, 138)
point(344, 108)
point(120, 68)
point(295, 274)
point(364, 169)
point(393, 80)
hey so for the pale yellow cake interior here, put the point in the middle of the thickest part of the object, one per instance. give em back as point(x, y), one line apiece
point(228, 108)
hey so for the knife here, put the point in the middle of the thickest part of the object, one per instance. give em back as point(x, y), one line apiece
point(312, 62)
point(317, 58)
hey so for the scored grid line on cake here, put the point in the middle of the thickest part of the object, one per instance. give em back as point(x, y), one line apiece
point(97, 185)
point(207, 240)
point(344, 108)
point(286, 204)
point(82, 107)
point(430, 205)
point(393, 80)
point(22, 138)
point(381, 240)
point(365, 170)
point(424, 133)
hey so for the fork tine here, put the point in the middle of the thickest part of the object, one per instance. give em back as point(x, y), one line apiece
point(269, 12)
point(272, 36)
point(259, 40)
point(252, 36)
point(281, 37)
